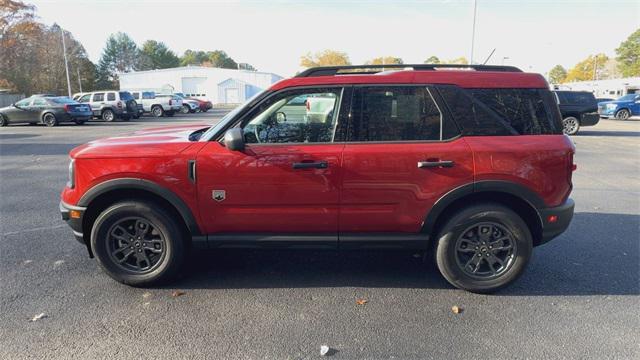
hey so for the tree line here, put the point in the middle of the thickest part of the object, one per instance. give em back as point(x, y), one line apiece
point(600, 66)
point(338, 58)
point(32, 59)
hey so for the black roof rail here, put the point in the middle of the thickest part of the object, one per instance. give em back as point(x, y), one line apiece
point(372, 69)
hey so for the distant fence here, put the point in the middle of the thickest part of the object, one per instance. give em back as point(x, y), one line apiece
point(8, 99)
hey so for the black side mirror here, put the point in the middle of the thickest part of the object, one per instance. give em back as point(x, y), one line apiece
point(234, 139)
point(15, 106)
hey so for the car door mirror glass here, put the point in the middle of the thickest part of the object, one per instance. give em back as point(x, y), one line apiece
point(234, 139)
point(281, 117)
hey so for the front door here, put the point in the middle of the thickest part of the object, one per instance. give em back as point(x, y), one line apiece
point(402, 154)
point(20, 112)
point(286, 180)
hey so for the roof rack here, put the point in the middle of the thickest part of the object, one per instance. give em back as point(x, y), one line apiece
point(372, 69)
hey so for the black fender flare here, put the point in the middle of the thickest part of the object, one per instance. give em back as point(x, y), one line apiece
point(500, 186)
point(146, 185)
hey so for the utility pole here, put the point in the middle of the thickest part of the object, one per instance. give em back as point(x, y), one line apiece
point(473, 30)
point(79, 80)
point(66, 64)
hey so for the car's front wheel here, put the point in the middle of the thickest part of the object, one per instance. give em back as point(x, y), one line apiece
point(570, 125)
point(623, 114)
point(138, 243)
point(483, 248)
point(108, 115)
point(185, 109)
point(3, 121)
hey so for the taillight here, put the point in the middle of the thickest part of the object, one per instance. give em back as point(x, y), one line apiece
point(66, 107)
point(119, 104)
point(170, 102)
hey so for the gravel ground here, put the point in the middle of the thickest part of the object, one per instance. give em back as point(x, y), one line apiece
point(578, 299)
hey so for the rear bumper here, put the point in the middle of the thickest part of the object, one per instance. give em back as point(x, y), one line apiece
point(563, 214)
point(74, 220)
point(589, 119)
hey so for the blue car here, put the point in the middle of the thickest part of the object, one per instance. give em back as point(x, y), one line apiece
point(622, 109)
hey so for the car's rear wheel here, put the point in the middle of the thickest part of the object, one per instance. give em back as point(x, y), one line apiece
point(157, 111)
point(623, 114)
point(108, 115)
point(570, 125)
point(483, 248)
point(185, 109)
point(3, 121)
point(138, 243)
point(50, 120)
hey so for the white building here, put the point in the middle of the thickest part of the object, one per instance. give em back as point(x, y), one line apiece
point(220, 86)
point(611, 88)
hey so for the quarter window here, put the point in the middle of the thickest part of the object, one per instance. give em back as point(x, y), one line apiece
point(295, 117)
point(111, 96)
point(397, 113)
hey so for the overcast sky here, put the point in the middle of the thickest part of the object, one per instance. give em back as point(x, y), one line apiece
point(272, 35)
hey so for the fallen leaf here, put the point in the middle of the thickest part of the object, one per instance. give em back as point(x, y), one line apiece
point(146, 295)
point(58, 263)
point(27, 262)
point(361, 301)
point(456, 309)
point(177, 293)
point(38, 317)
point(324, 350)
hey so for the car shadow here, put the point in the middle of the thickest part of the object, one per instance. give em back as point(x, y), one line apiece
point(598, 255)
point(28, 149)
point(584, 133)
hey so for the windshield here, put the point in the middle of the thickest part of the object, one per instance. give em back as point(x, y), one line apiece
point(627, 97)
point(225, 119)
point(63, 100)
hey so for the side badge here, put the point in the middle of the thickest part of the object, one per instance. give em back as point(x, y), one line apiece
point(218, 195)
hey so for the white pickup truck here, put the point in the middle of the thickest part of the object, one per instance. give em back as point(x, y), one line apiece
point(157, 105)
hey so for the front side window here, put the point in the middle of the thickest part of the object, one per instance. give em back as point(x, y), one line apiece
point(301, 116)
point(24, 102)
point(148, 95)
point(396, 113)
point(39, 102)
point(85, 98)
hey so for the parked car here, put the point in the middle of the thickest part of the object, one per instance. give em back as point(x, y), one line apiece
point(188, 106)
point(157, 105)
point(468, 165)
point(599, 100)
point(578, 109)
point(47, 110)
point(111, 105)
point(622, 109)
point(204, 105)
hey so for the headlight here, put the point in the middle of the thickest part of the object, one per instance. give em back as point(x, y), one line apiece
point(611, 106)
point(72, 174)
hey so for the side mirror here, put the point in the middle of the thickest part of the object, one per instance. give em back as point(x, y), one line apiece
point(281, 117)
point(234, 139)
point(15, 106)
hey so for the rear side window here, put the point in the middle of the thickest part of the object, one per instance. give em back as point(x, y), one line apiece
point(496, 112)
point(98, 97)
point(576, 97)
point(148, 95)
point(397, 113)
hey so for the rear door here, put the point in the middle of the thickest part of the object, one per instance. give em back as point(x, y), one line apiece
point(286, 180)
point(97, 101)
point(402, 154)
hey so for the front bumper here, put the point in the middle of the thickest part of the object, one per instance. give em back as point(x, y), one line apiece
point(563, 215)
point(73, 216)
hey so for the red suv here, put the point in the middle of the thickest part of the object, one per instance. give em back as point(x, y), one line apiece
point(467, 163)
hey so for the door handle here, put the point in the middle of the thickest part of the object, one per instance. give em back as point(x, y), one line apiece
point(435, 164)
point(310, 165)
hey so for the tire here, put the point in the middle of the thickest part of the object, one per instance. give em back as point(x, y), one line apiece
point(108, 115)
point(157, 111)
point(570, 125)
point(185, 109)
point(623, 114)
point(79, 122)
point(3, 121)
point(170, 113)
point(50, 120)
point(456, 255)
point(164, 255)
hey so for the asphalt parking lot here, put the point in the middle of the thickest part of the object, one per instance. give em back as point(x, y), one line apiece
point(578, 299)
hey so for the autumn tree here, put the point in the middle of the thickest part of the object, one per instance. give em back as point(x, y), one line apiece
point(557, 74)
point(220, 59)
point(460, 60)
point(432, 60)
point(156, 55)
point(120, 55)
point(385, 60)
point(629, 55)
point(591, 68)
point(325, 58)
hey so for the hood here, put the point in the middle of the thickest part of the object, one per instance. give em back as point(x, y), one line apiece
point(155, 142)
point(615, 102)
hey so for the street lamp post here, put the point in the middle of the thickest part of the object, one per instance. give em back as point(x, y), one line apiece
point(66, 64)
point(473, 30)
